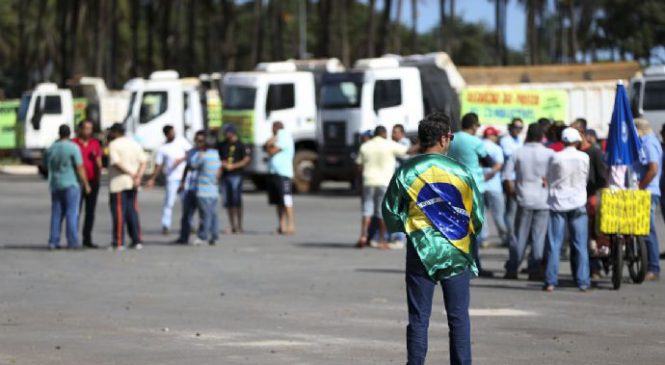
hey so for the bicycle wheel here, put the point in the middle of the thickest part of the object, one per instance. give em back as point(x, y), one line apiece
point(616, 256)
point(636, 258)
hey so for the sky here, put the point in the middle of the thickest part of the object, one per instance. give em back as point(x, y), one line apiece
point(472, 11)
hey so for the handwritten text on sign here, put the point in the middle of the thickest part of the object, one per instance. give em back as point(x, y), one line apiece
point(499, 106)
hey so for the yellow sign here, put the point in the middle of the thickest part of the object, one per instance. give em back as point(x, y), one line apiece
point(499, 106)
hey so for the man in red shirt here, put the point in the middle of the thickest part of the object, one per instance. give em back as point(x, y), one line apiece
point(91, 151)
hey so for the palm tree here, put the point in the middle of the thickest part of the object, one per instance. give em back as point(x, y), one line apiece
point(384, 27)
point(344, 29)
point(414, 25)
point(257, 39)
point(370, 28)
point(534, 12)
point(500, 31)
point(443, 39)
point(397, 37)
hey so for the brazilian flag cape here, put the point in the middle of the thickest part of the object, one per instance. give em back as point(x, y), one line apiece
point(435, 201)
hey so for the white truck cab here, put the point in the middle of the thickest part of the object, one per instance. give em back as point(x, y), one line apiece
point(276, 91)
point(41, 112)
point(647, 95)
point(163, 99)
point(103, 106)
point(384, 91)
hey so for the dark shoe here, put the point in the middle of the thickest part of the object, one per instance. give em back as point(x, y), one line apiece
point(662, 256)
point(90, 245)
point(179, 242)
point(165, 231)
point(548, 288)
point(652, 276)
point(583, 289)
point(136, 246)
point(212, 242)
point(536, 277)
point(485, 274)
point(53, 247)
point(510, 276)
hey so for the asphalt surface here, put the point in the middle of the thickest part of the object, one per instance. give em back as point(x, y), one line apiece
point(264, 299)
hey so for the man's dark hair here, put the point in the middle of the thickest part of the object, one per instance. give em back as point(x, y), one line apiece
point(399, 126)
point(380, 131)
point(200, 133)
point(470, 120)
point(535, 133)
point(83, 122)
point(64, 131)
point(167, 128)
point(432, 128)
point(544, 122)
point(581, 121)
point(117, 128)
point(515, 121)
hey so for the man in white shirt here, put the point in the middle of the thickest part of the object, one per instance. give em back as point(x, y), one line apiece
point(567, 177)
point(377, 161)
point(169, 160)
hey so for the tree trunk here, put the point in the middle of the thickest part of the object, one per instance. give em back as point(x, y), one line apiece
point(344, 15)
point(451, 27)
point(257, 41)
point(370, 28)
point(396, 29)
point(414, 26)
point(112, 77)
point(572, 31)
point(191, 38)
point(384, 27)
point(166, 25)
point(22, 59)
point(531, 31)
point(277, 30)
point(500, 31)
point(63, 12)
point(99, 37)
point(323, 47)
point(150, 46)
point(136, 9)
point(442, 25)
point(73, 32)
point(229, 61)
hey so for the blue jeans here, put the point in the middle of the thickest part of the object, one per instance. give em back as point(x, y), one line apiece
point(209, 218)
point(577, 221)
point(495, 203)
point(511, 212)
point(231, 189)
point(188, 210)
point(65, 205)
point(531, 229)
point(652, 239)
point(419, 293)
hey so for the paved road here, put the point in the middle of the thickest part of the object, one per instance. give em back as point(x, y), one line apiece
point(264, 299)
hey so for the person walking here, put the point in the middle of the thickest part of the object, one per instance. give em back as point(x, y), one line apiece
point(66, 175)
point(127, 163)
point(470, 151)
point(509, 143)
point(91, 152)
point(649, 178)
point(567, 177)
point(188, 188)
point(169, 160)
point(281, 150)
point(235, 157)
point(376, 162)
point(435, 201)
point(529, 167)
point(398, 135)
point(494, 199)
point(208, 169)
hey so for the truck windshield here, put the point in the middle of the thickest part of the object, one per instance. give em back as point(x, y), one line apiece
point(239, 97)
point(654, 95)
point(23, 107)
point(340, 95)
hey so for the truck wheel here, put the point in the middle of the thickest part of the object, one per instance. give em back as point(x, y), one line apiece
point(304, 171)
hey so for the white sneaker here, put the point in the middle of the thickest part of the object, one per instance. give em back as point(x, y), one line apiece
point(198, 242)
point(396, 245)
point(137, 246)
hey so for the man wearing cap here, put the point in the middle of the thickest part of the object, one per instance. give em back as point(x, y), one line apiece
point(528, 167)
point(494, 199)
point(127, 163)
point(649, 178)
point(169, 159)
point(235, 156)
point(567, 177)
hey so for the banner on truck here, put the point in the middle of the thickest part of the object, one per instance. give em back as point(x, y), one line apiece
point(499, 106)
point(8, 124)
point(243, 121)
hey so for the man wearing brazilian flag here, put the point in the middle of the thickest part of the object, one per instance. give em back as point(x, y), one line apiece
point(435, 201)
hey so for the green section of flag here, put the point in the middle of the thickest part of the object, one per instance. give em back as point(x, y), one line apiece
point(435, 201)
point(8, 119)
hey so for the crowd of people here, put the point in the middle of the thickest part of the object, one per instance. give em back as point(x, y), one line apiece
point(196, 175)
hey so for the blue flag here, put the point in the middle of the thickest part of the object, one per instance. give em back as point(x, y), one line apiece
point(623, 144)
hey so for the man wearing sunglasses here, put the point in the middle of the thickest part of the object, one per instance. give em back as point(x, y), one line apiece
point(509, 144)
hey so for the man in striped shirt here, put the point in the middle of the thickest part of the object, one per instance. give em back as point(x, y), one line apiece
point(208, 169)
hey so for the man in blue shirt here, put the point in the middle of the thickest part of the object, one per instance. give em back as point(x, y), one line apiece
point(649, 178)
point(208, 168)
point(494, 199)
point(281, 149)
point(470, 151)
point(509, 143)
point(188, 188)
point(65, 169)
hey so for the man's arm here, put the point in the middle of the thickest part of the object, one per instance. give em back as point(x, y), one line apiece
point(495, 170)
point(649, 175)
point(80, 171)
point(139, 174)
point(393, 207)
point(508, 175)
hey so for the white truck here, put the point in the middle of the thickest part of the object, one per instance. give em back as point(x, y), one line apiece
point(496, 105)
point(278, 91)
point(103, 106)
point(380, 91)
point(41, 112)
point(647, 92)
point(163, 99)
